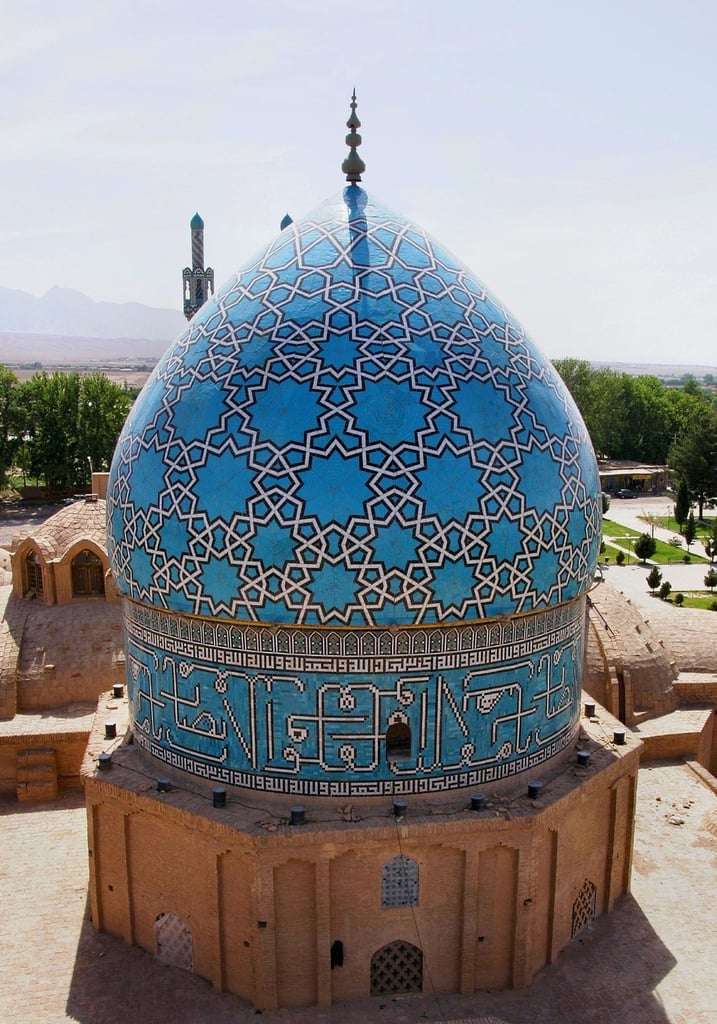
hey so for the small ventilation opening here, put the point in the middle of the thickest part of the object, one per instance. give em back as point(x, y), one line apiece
point(337, 954)
point(398, 742)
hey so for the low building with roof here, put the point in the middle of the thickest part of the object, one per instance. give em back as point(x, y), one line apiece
point(61, 646)
point(635, 477)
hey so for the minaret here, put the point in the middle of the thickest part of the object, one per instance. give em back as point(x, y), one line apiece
point(198, 280)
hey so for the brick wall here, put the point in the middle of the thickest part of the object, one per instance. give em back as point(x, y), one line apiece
point(264, 905)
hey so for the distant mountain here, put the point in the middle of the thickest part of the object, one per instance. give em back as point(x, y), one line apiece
point(69, 313)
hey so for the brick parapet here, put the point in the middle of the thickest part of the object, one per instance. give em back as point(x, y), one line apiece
point(263, 818)
point(699, 691)
point(13, 614)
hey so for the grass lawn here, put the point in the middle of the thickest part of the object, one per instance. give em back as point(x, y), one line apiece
point(696, 600)
point(665, 554)
point(671, 524)
point(614, 530)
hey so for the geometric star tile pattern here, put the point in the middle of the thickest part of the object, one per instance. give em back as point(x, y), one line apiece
point(354, 432)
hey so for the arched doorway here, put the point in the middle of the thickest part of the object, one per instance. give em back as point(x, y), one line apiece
point(396, 968)
point(88, 577)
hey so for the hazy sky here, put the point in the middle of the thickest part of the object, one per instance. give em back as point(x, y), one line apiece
point(565, 150)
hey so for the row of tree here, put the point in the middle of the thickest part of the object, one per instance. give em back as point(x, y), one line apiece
point(641, 419)
point(636, 418)
point(56, 427)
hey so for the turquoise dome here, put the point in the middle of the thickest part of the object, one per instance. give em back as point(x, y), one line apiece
point(354, 432)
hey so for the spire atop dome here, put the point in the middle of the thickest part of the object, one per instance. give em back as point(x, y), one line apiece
point(353, 166)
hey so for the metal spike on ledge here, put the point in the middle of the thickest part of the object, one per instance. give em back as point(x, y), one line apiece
point(353, 166)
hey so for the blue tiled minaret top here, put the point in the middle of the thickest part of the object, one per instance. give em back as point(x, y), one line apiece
point(353, 432)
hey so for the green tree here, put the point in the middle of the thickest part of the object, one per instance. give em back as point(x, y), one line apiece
point(631, 417)
point(690, 530)
point(682, 505)
point(70, 421)
point(710, 580)
point(10, 422)
point(693, 457)
point(645, 546)
point(582, 382)
point(50, 403)
point(654, 578)
point(665, 590)
point(101, 411)
point(648, 419)
point(710, 541)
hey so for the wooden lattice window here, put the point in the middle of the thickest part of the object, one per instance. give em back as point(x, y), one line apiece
point(33, 572)
point(88, 578)
point(396, 968)
point(584, 907)
point(173, 941)
point(399, 883)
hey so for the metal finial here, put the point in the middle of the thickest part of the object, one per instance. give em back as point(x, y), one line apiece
point(353, 166)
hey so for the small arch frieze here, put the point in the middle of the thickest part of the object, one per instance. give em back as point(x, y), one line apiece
point(420, 642)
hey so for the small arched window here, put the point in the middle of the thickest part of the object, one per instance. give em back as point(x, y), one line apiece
point(33, 573)
point(398, 742)
point(88, 578)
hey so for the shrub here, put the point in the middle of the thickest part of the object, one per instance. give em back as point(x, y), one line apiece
point(620, 557)
point(665, 590)
point(645, 547)
point(686, 559)
point(690, 530)
point(654, 578)
point(679, 600)
point(713, 606)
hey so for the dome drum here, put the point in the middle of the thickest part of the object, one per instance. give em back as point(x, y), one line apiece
point(312, 711)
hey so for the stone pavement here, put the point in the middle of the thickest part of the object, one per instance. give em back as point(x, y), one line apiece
point(650, 962)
